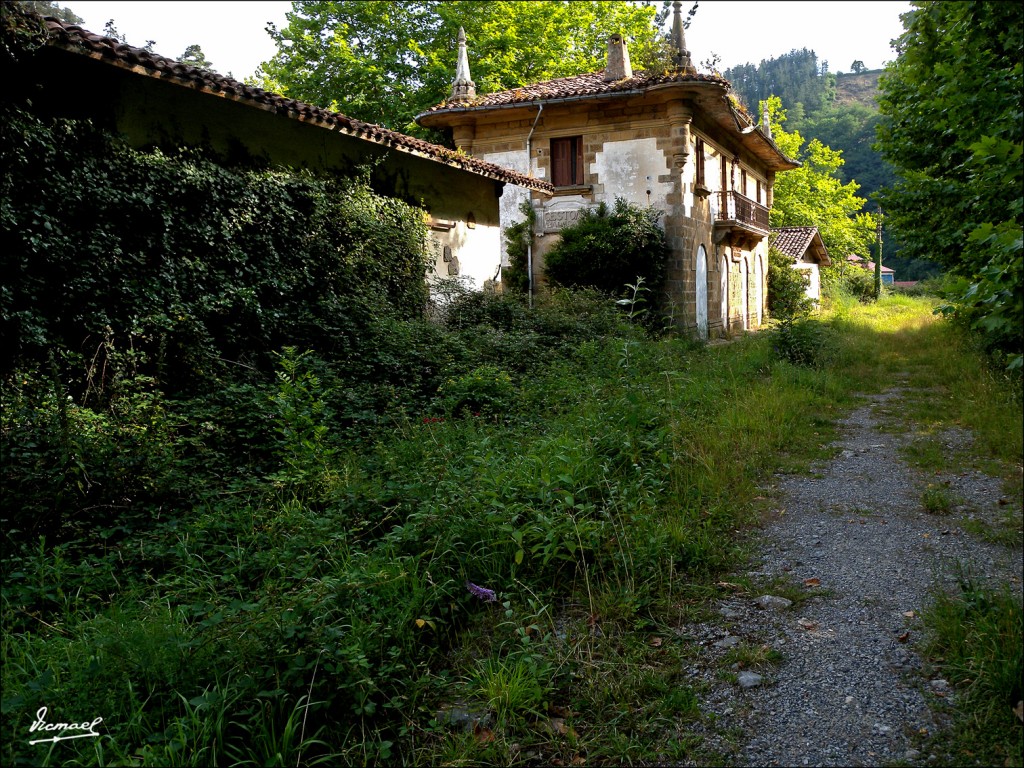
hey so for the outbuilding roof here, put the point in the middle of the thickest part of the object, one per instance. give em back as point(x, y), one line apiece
point(798, 242)
point(73, 38)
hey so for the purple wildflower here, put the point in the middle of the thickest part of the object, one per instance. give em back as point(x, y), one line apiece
point(482, 592)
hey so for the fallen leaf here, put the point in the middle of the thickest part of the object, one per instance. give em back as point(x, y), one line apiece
point(812, 582)
point(579, 760)
point(559, 728)
point(483, 735)
point(909, 614)
point(655, 642)
point(904, 637)
point(1019, 711)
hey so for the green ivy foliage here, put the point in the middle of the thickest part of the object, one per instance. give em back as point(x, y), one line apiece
point(608, 249)
point(189, 262)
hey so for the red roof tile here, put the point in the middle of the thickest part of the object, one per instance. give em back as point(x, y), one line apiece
point(76, 39)
point(590, 84)
point(795, 241)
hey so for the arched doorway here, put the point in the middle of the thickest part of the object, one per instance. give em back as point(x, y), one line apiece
point(760, 289)
point(745, 298)
point(702, 292)
point(725, 293)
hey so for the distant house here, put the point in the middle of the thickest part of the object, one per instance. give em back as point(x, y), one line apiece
point(672, 139)
point(156, 101)
point(888, 275)
point(804, 246)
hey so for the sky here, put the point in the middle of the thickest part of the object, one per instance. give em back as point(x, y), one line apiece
point(234, 39)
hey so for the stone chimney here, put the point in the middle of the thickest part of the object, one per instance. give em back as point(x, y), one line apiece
point(678, 40)
point(463, 89)
point(618, 66)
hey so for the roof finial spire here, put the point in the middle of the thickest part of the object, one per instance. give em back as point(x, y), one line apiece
point(678, 39)
point(463, 89)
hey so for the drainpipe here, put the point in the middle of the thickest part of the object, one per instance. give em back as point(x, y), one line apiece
point(529, 162)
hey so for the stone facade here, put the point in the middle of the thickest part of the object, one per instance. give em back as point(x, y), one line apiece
point(675, 141)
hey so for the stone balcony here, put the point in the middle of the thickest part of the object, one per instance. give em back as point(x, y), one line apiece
point(740, 221)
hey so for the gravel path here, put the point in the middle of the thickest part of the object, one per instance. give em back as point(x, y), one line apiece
point(850, 689)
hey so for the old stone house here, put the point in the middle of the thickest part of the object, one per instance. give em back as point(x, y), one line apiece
point(806, 251)
point(154, 101)
point(674, 139)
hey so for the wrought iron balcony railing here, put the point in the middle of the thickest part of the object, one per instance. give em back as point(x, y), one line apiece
point(734, 207)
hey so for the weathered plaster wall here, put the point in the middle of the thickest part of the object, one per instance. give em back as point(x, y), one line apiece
point(632, 170)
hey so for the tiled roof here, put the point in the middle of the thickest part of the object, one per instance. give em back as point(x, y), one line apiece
point(711, 92)
point(590, 84)
point(795, 242)
point(76, 39)
point(863, 263)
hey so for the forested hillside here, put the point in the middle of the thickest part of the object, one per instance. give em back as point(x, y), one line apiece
point(841, 111)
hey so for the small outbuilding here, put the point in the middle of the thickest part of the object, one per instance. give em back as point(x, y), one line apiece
point(154, 101)
point(806, 250)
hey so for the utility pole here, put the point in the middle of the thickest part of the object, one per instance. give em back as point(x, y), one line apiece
point(878, 256)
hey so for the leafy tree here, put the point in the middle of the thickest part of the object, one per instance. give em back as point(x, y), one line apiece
point(194, 56)
point(953, 132)
point(50, 8)
point(857, 67)
point(813, 195)
point(110, 30)
point(385, 62)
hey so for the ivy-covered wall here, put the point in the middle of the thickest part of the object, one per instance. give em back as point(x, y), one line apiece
point(197, 264)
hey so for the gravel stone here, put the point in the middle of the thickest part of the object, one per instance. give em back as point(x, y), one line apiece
point(771, 601)
point(749, 679)
point(851, 690)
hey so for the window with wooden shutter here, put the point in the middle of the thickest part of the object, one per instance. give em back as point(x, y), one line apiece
point(567, 161)
point(699, 152)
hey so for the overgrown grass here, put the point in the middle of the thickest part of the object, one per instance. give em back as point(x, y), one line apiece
point(313, 601)
point(976, 643)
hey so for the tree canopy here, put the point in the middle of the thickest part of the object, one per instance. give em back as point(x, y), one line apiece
point(385, 62)
point(50, 8)
point(813, 195)
point(194, 55)
point(952, 130)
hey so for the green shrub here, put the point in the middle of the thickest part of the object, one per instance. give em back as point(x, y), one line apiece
point(787, 297)
point(609, 249)
point(803, 342)
point(853, 281)
point(484, 391)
